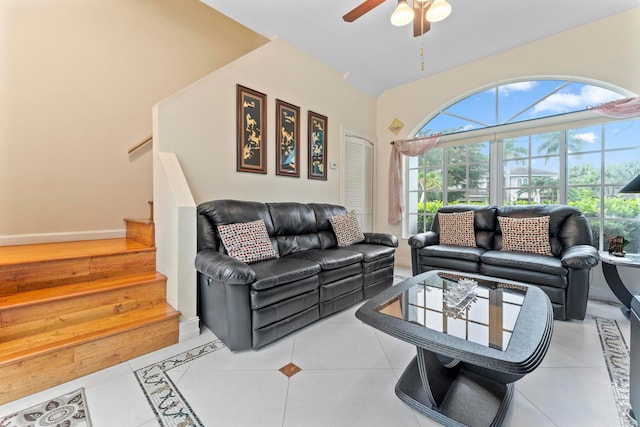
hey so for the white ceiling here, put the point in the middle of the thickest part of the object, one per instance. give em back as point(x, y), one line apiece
point(376, 56)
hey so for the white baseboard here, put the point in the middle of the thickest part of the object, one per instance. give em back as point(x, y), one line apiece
point(189, 329)
point(72, 236)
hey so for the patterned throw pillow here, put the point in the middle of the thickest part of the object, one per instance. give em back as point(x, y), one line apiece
point(347, 228)
point(247, 241)
point(525, 234)
point(456, 229)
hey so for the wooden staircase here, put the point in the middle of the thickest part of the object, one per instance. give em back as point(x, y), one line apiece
point(70, 309)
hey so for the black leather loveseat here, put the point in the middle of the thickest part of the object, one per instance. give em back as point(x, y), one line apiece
point(563, 274)
point(248, 305)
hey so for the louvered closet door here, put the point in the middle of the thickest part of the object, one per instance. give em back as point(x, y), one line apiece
point(357, 184)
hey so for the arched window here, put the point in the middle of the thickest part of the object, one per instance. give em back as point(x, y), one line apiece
point(530, 142)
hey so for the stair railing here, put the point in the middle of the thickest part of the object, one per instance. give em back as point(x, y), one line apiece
point(140, 145)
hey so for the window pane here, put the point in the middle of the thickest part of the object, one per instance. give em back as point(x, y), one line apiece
point(516, 102)
point(584, 168)
point(584, 139)
point(477, 110)
point(457, 154)
point(621, 166)
point(622, 134)
point(514, 148)
point(478, 176)
point(434, 159)
point(587, 199)
point(546, 143)
point(457, 177)
point(514, 170)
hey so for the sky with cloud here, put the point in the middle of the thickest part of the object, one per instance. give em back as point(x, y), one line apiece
point(520, 101)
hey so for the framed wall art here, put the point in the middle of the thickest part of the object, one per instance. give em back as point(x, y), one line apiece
point(251, 130)
point(288, 138)
point(317, 127)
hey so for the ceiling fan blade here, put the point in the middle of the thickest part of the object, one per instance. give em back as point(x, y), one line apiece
point(361, 9)
point(420, 12)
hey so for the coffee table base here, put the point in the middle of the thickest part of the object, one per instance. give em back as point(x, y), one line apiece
point(454, 395)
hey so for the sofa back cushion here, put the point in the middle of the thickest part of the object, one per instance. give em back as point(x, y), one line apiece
point(484, 222)
point(567, 226)
point(295, 227)
point(323, 212)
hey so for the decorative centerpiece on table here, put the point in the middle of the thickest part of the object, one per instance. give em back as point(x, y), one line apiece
point(617, 245)
point(458, 296)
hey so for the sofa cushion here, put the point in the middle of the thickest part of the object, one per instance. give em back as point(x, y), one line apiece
point(347, 228)
point(371, 252)
point(247, 241)
point(328, 259)
point(444, 251)
point(525, 261)
point(457, 229)
point(277, 272)
point(525, 235)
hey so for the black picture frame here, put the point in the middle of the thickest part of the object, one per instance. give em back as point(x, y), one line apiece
point(317, 125)
point(288, 139)
point(251, 132)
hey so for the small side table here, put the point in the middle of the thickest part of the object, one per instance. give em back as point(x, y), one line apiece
point(610, 265)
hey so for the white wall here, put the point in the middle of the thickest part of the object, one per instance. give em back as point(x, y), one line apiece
point(198, 124)
point(604, 51)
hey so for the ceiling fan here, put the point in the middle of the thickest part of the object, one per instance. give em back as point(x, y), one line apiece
point(422, 13)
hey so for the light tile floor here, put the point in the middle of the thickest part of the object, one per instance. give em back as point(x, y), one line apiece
point(348, 375)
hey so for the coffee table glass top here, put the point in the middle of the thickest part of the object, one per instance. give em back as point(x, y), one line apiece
point(476, 310)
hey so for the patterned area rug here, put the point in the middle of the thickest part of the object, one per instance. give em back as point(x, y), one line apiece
point(68, 410)
point(170, 407)
point(616, 355)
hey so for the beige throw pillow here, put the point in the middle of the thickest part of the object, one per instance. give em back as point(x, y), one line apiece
point(525, 234)
point(456, 229)
point(247, 241)
point(347, 228)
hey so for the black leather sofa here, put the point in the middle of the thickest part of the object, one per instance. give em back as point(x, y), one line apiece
point(251, 305)
point(564, 276)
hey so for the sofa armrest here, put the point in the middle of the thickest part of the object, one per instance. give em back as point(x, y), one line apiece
point(580, 256)
point(224, 268)
point(381, 239)
point(421, 240)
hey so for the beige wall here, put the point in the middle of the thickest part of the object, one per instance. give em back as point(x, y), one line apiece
point(199, 124)
point(604, 51)
point(78, 80)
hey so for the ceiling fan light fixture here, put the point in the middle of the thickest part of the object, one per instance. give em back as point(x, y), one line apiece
point(403, 14)
point(438, 11)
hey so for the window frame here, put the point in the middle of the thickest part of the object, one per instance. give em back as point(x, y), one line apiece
point(495, 135)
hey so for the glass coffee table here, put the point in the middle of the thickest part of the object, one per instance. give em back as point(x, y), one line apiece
point(474, 335)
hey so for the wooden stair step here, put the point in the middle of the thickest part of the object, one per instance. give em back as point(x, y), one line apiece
point(59, 339)
point(28, 267)
point(50, 359)
point(141, 231)
point(40, 310)
point(43, 252)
